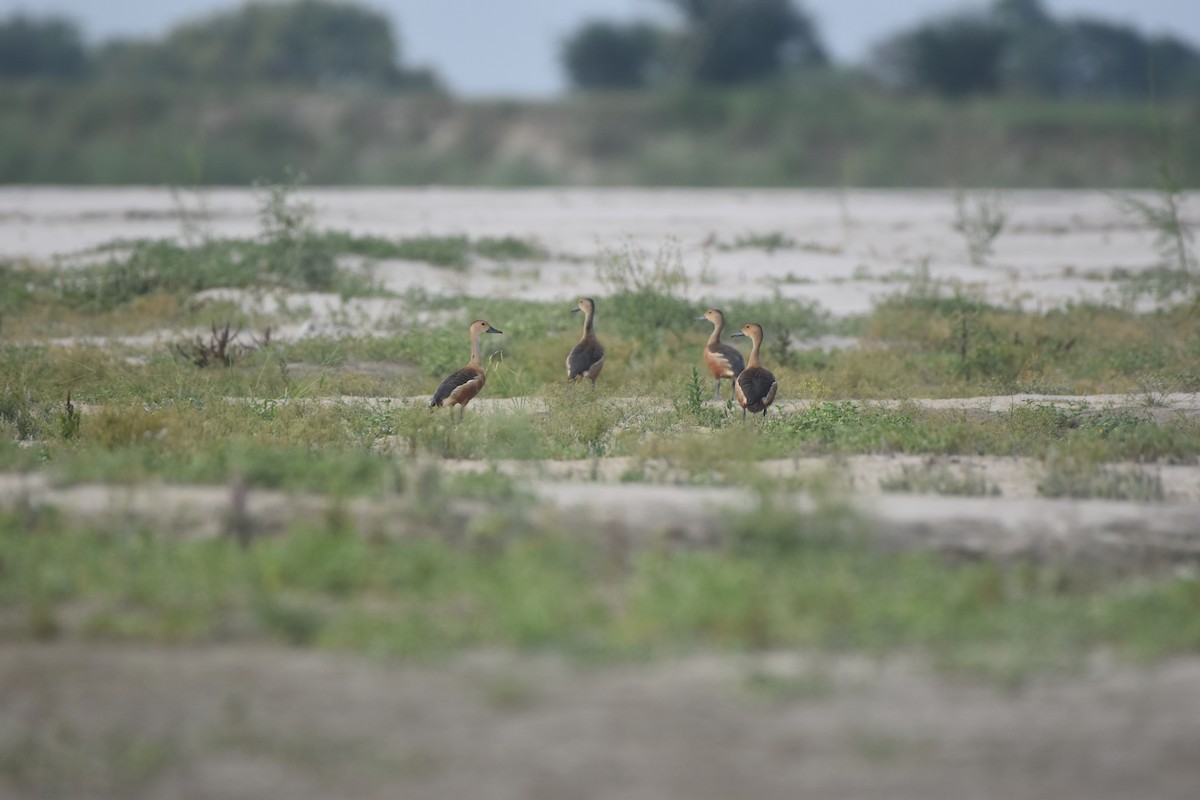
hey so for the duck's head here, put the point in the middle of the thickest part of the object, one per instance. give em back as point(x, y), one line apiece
point(713, 315)
point(481, 326)
point(586, 304)
point(752, 330)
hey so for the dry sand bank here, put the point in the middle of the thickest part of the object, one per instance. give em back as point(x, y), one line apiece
point(851, 246)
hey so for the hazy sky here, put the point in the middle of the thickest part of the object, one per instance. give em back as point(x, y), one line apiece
point(511, 47)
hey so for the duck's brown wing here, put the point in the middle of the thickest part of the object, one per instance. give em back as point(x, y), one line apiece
point(459, 387)
point(756, 388)
point(724, 361)
point(583, 359)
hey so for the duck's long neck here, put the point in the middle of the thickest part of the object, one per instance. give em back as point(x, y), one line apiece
point(755, 345)
point(476, 360)
point(718, 327)
point(587, 321)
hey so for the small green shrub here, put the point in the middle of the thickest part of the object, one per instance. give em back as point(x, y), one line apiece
point(632, 270)
point(769, 242)
point(645, 315)
point(18, 410)
point(938, 480)
point(509, 248)
point(443, 251)
point(1072, 476)
point(980, 218)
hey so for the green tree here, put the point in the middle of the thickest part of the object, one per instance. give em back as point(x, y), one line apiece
point(1022, 15)
point(133, 60)
point(1031, 57)
point(1174, 67)
point(1099, 58)
point(310, 43)
point(41, 48)
point(1089, 57)
point(737, 41)
point(953, 55)
point(606, 55)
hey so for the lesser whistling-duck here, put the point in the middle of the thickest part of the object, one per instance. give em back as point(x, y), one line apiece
point(723, 360)
point(755, 387)
point(586, 358)
point(464, 384)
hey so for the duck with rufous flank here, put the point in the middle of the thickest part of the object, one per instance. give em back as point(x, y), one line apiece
point(462, 385)
point(723, 360)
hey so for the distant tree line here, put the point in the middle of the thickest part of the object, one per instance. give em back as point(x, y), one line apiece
point(308, 43)
point(718, 42)
point(1008, 46)
point(1017, 46)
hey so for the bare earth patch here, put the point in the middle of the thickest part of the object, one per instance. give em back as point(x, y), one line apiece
point(234, 722)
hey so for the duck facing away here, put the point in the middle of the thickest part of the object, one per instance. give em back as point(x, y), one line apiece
point(464, 384)
point(724, 361)
point(586, 358)
point(755, 387)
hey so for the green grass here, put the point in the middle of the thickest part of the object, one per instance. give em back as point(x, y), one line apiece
point(156, 411)
point(782, 581)
point(509, 248)
point(302, 262)
point(1025, 430)
point(172, 421)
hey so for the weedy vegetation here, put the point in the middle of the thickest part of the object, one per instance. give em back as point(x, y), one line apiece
point(780, 580)
point(770, 242)
point(344, 417)
point(980, 217)
point(940, 480)
point(1161, 211)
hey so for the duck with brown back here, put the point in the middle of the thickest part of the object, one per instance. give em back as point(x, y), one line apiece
point(464, 384)
point(755, 387)
point(586, 358)
point(723, 360)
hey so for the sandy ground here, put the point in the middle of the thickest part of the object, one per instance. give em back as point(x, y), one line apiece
point(852, 245)
point(84, 719)
point(234, 722)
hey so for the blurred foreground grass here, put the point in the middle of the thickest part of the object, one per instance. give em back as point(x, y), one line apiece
point(780, 581)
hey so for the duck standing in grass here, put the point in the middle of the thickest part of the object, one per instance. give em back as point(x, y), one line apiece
point(464, 384)
point(755, 387)
point(586, 358)
point(724, 361)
